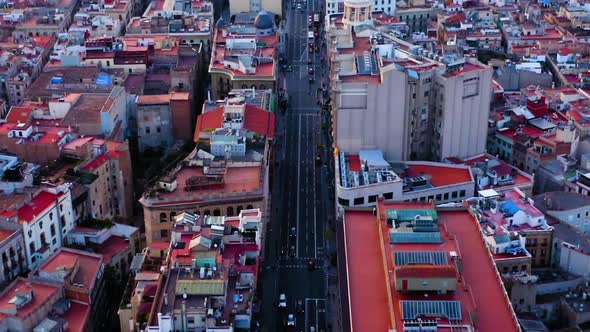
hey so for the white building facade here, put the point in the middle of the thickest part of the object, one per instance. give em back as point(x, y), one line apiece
point(46, 220)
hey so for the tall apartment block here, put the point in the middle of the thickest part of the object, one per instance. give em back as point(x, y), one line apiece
point(396, 97)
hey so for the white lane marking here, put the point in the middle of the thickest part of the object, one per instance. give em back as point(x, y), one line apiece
point(298, 191)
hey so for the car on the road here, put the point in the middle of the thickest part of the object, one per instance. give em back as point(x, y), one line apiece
point(311, 265)
point(293, 232)
point(289, 68)
point(311, 79)
point(291, 320)
point(300, 308)
point(298, 6)
point(310, 70)
point(310, 49)
point(282, 301)
point(309, 61)
point(292, 251)
point(293, 5)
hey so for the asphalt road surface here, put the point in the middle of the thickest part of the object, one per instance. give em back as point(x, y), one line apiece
point(295, 235)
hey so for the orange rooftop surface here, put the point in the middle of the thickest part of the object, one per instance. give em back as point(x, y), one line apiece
point(41, 293)
point(375, 303)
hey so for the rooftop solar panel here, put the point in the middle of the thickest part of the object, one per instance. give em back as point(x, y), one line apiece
point(415, 309)
point(413, 237)
point(421, 257)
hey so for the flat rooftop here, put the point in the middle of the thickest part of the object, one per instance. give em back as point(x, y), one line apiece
point(370, 304)
point(88, 265)
point(42, 292)
point(377, 306)
point(510, 203)
point(518, 177)
point(236, 181)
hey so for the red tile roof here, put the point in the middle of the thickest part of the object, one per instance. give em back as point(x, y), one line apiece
point(42, 292)
point(259, 121)
point(37, 206)
point(208, 120)
point(256, 119)
point(19, 114)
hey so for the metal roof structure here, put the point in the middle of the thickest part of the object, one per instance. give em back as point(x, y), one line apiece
point(200, 287)
point(415, 309)
point(421, 257)
point(413, 237)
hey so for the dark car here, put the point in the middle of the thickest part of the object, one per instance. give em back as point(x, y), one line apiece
point(292, 252)
point(293, 232)
point(311, 265)
point(310, 71)
point(300, 308)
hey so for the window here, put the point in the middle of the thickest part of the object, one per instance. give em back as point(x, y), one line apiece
point(163, 217)
point(359, 201)
point(388, 195)
point(343, 202)
point(30, 233)
point(438, 197)
point(446, 196)
point(63, 222)
point(191, 320)
point(41, 224)
point(32, 247)
point(54, 241)
point(164, 233)
point(462, 193)
point(52, 230)
point(147, 130)
point(61, 207)
point(454, 194)
point(372, 198)
point(158, 130)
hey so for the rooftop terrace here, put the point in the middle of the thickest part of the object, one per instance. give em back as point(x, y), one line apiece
point(376, 305)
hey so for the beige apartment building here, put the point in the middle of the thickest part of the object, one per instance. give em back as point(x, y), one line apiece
point(242, 6)
point(392, 96)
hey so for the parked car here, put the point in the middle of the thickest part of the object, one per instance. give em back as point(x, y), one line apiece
point(300, 308)
point(298, 6)
point(311, 265)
